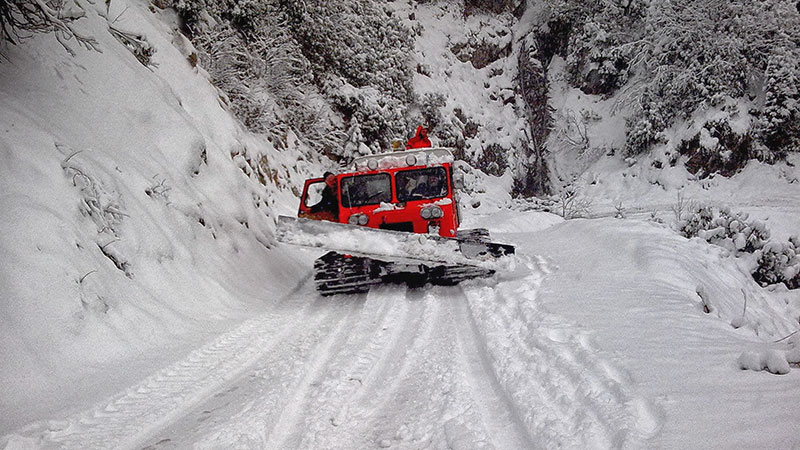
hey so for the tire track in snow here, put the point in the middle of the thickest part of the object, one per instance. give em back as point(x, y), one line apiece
point(503, 422)
point(364, 368)
point(432, 396)
point(317, 363)
point(409, 409)
point(244, 416)
point(565, 395)
point(295, 396)
point(370, 368)
point(425, 385)
point(133, 415)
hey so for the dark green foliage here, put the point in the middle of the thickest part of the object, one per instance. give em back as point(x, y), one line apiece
point(491, 6)
point(480, 53)
point(354, 39)
point(596, 63)
point(776, 262)
point(493, 159)
point(430, 108)
point(359, 55)
point(720, 226)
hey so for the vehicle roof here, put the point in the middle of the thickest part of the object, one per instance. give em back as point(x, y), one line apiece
point(421, 157)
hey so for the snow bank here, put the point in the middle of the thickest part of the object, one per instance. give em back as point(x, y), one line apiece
point(129, 233)
point(658, 309)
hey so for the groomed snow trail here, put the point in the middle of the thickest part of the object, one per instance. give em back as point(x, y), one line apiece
point(477, 366)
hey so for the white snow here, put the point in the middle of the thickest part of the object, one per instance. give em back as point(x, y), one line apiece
point(146, 304)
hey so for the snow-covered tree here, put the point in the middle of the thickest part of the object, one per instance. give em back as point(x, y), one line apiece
point(779, 125)
point(253, 58)
point(679, 56)
point(531, 172)
point(358, 45)
point(354, 146)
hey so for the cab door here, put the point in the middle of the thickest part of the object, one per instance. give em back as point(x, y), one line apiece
point(312, 194)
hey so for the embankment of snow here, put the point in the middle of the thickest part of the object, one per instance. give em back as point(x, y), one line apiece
point(129, 234)
point(668, 314)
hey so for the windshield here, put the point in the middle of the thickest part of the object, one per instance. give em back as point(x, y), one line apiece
point(421, 184)
point(363, 190)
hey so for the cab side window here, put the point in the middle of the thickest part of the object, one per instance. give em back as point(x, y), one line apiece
point(314, 193)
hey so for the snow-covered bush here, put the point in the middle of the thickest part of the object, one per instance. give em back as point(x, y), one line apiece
point(297, 65)
point(493, 159)
point(779, 263)
point(718, 225)
point(776, 262)
point(572, 205)
point(479, 51)
point(355, 146)
point(492, 6)
point(431, 105)
point(596, 63)
point(716, 148)
point(380, 118)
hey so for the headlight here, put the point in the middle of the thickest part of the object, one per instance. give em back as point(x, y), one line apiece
point(358, 219)
point(425, 213)
point(431, 212)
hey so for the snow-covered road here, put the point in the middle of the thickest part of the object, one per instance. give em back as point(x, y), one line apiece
point(601, 343)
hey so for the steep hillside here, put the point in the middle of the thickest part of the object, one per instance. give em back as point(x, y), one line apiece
point(137, 212)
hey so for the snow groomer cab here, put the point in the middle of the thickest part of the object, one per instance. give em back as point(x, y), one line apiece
point(411, 191)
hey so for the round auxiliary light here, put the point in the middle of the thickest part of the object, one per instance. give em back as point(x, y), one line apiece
point(372, 164)
point(411, 160)
point(436, 212)
point(353, 219)
point(363, 219)
point(426, 213)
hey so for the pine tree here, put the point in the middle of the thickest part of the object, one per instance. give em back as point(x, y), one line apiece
point(355, 146)
point(780, 120)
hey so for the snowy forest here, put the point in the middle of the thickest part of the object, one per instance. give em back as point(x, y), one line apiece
point(147, 148)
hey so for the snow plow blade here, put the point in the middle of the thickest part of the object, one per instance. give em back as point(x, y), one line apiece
point(361, 257)
point(365, 241)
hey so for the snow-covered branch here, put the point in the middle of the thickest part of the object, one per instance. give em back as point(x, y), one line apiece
point(21, 18)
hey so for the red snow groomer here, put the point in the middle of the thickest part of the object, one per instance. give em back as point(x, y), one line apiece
point(389, 217)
